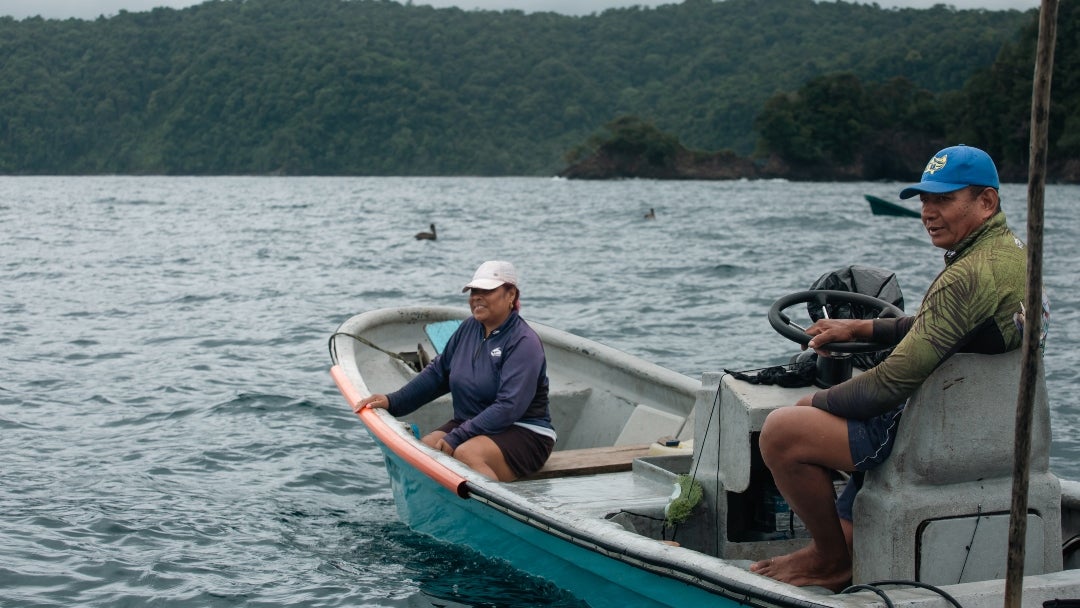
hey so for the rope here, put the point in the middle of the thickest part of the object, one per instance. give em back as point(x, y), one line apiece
point(365, 342)
point(978, 517)
point(874, 587)
point(697, 462)
point(693, 474)
point(879, 592)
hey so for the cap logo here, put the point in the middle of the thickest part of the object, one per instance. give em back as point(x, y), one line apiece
point(936, 164)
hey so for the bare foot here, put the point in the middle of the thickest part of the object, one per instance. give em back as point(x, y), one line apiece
point(806, 567)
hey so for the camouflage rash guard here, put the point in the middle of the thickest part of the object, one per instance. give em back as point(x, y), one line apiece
point(968, 308)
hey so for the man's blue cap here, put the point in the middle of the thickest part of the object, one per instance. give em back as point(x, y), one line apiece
point(955, 168)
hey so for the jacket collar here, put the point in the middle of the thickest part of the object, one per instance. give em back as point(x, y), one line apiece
point(505, 324)
point(994, 226)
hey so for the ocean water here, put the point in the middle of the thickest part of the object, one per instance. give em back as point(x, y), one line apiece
point(169, 434)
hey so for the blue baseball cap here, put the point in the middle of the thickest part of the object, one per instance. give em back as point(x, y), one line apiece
point(955, 168)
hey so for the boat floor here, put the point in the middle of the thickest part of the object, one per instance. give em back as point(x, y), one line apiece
point(595, 495)
point(605, 496)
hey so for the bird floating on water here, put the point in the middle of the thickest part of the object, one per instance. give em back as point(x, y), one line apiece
point(651, 215)
point(427, 236)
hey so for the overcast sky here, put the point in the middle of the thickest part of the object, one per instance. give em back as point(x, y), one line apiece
point(91, 9)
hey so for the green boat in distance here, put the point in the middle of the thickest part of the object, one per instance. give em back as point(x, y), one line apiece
point(880, 206)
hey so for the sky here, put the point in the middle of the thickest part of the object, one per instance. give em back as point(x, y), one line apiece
point(91, 9)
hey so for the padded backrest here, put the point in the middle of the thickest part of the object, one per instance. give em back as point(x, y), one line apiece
point(960, 424)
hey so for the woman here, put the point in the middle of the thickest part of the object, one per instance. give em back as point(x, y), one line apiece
point(495, 370)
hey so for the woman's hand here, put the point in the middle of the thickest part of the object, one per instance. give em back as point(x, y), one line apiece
point(379, 401)
point(435, 440)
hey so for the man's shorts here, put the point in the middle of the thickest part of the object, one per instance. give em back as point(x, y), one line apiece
point(525, 451)
point(870, 442)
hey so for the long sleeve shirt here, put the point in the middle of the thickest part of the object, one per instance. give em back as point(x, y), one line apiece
point(494, 381)
point(968, 308)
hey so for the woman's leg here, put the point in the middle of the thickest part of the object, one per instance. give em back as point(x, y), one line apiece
point(484, 456)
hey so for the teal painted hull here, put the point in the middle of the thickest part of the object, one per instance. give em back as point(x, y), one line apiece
point(592, 576)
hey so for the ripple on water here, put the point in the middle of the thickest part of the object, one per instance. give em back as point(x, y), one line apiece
point(170, 435)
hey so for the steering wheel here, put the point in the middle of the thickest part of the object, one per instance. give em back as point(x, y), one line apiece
point(783, 325)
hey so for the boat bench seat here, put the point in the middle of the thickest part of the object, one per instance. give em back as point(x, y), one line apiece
point(590, 461)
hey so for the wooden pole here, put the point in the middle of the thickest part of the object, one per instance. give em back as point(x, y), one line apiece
point(1040, 112)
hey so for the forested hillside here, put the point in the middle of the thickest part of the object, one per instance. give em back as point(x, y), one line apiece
point(882, 130)
point(373, 87)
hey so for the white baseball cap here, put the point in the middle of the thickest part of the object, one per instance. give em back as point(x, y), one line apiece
point(492, 274)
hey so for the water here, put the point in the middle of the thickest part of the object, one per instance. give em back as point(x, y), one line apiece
point(169, 434)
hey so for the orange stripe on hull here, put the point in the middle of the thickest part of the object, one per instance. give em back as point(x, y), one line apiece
point(401, 446)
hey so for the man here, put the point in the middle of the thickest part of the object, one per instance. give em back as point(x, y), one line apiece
point(851, 426)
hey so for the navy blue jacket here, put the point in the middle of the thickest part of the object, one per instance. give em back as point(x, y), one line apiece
point(494, 382)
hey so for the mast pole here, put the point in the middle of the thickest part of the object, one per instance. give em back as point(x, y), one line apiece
point(1040, 112)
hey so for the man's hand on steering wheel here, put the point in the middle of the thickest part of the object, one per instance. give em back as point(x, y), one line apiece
point(825, 331)
point(844, 335)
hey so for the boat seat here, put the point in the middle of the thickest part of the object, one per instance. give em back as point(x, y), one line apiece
point(590, 461)
point(567, 400)
point(647, 424)
point(439, 333)
point(947, 487)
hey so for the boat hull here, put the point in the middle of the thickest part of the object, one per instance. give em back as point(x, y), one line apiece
point(591, 534)
point(429, 508)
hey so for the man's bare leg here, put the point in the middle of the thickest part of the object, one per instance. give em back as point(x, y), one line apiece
point(802, 446)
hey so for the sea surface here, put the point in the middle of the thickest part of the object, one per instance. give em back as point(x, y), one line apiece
point(169, 433)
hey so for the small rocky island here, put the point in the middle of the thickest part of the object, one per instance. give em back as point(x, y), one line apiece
point(633, 148)
point(629, 147)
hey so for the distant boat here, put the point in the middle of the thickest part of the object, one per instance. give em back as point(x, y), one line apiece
point(880, 206)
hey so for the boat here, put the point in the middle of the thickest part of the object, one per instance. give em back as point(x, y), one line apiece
point(880, 206)
point(599, 520)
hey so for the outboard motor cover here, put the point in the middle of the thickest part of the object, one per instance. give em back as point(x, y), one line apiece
point(867, 280)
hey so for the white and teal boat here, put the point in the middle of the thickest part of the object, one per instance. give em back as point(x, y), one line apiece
point(930, 525)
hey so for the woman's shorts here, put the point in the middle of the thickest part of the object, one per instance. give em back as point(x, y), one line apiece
point(524, 451)
point(870, 442)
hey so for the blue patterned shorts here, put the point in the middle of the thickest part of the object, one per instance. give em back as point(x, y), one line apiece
point(871, 442)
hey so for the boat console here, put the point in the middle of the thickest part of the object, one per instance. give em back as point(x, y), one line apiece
point(751, 519)
point(936, 511)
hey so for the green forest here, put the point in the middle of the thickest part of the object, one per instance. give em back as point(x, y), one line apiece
point(375, 87)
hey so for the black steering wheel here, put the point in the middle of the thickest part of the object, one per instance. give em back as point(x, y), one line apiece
point(783, 325)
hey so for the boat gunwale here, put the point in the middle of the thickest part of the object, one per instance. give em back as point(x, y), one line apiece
point(397, 442)
point(550, 336)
